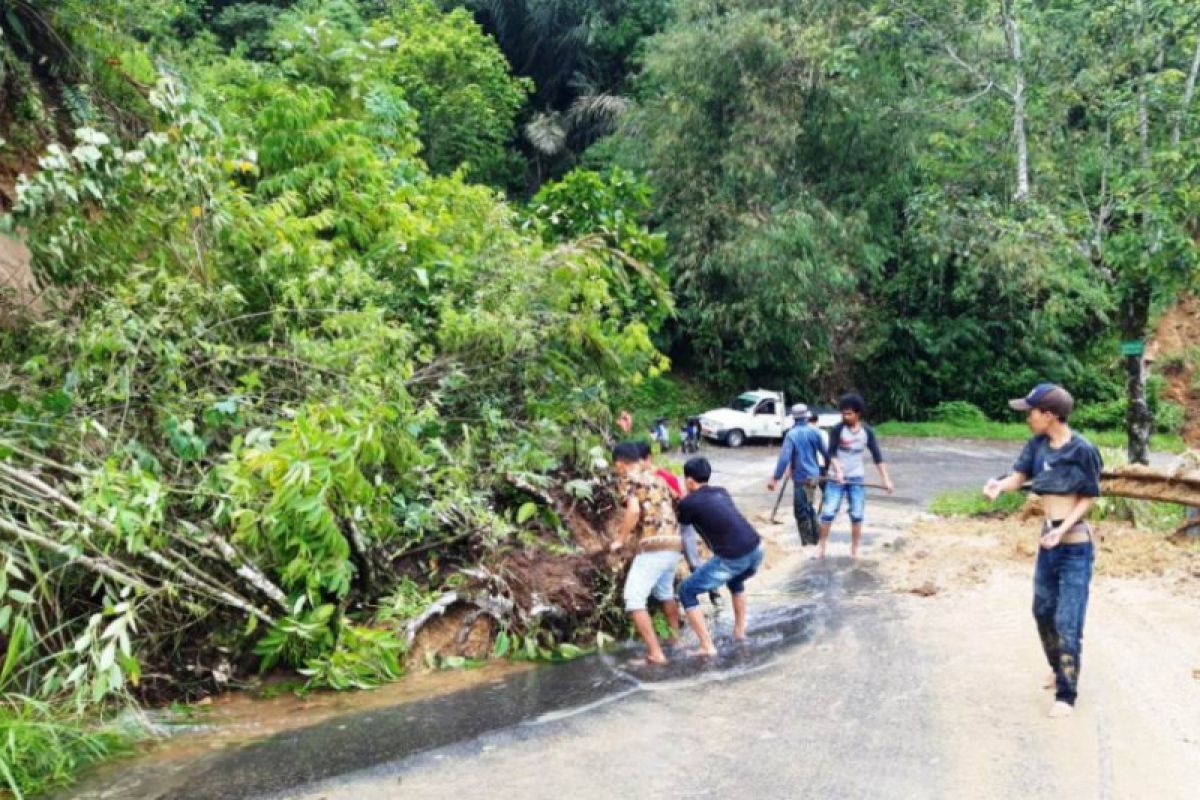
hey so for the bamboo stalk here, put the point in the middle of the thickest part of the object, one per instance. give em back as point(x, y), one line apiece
point(95, 565)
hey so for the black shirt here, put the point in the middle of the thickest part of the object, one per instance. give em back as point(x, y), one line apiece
point(1073, 468)
point(717, 520)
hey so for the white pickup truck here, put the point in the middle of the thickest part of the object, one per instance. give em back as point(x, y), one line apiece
point(760, 414)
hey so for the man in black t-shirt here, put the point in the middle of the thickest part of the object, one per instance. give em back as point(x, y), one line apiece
point(736, 546)
point(1064, 469)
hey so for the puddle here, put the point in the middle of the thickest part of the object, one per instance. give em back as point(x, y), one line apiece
point(355, 732)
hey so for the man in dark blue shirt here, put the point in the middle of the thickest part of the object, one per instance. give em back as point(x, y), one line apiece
point(1064, 469)
point(803, 454)
point(736, 546)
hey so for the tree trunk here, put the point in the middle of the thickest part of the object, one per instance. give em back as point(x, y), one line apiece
point(1135, 315)
point(1189, 91)
point(1135, 311)
point(1013, 34)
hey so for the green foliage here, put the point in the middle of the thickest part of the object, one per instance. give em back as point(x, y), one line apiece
point(286, 369)
point(928, 270)
point(41, 749)
point(957, 412)
point(765, 269)
point(441, 64)
point(613, 208)
point(972, 503)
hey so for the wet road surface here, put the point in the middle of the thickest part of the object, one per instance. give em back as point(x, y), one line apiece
point(828, 694)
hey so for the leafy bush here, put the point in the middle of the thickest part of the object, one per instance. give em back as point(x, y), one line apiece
point(287, 371)
point(1106, 415)
point(957, 412)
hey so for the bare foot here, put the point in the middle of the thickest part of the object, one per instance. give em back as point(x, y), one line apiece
point(651, 661)
point(820, 552)
point(700, 651)
point(739, 634)
point(1051, 682)
point(1060, 710)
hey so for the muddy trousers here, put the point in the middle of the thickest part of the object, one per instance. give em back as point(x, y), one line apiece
point(1060, 597)
point(806, 515)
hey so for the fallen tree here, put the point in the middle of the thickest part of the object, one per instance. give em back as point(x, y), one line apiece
point(1179, 484)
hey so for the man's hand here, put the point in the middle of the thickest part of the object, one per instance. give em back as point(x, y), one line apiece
point(838, 476)
point(771, 485)
point(1052, 537)
point(991, 489)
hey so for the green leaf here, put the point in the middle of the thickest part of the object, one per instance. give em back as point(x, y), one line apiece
point(526, 512)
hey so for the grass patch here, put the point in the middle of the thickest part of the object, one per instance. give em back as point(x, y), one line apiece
point(972, 503)
point(41, 748)
point(1013, 432)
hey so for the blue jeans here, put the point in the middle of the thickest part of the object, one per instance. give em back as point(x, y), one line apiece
point(806, 515)
point(718, 572)
point(852, 489)
point(1060, 597)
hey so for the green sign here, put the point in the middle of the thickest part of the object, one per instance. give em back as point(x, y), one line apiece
point(1134, 348)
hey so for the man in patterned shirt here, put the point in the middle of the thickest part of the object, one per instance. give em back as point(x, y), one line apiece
point(648, 527)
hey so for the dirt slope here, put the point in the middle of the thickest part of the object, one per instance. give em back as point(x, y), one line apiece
point(1177, 347)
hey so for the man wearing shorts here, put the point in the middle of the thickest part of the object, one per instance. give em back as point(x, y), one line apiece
point(736, 546)
point(849, 441)
point(649, 528)
point(687, 533)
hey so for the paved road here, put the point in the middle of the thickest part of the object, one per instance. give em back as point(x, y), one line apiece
point(840, 709)
point(845, 690)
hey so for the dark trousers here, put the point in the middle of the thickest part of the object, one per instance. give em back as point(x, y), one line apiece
point(1060, 597)
point(806, 515)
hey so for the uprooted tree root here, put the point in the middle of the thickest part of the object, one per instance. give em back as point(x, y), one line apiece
point(567, 591)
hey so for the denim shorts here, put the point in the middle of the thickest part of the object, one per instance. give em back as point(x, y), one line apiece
point(852, 489)
point(718, 572)
point(651, 573)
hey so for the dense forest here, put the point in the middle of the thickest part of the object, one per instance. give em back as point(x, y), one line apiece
point(334, 301)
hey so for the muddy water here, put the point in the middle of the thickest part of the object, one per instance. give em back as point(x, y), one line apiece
point(395, 728)
point(296, 744)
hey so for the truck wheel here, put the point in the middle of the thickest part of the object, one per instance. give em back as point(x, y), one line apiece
point(735, 438)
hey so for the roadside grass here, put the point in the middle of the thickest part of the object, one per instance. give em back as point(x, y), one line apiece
point(972, 503)
point(41, 748)
point(1013, 432)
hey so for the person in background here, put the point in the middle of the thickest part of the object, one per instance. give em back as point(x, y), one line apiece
point(849, 441)
point(660, 435)
point(804, 457)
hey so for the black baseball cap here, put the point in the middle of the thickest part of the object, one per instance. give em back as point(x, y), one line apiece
point(1048, 397)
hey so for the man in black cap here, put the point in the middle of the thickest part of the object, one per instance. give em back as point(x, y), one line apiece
point(1065, 470)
